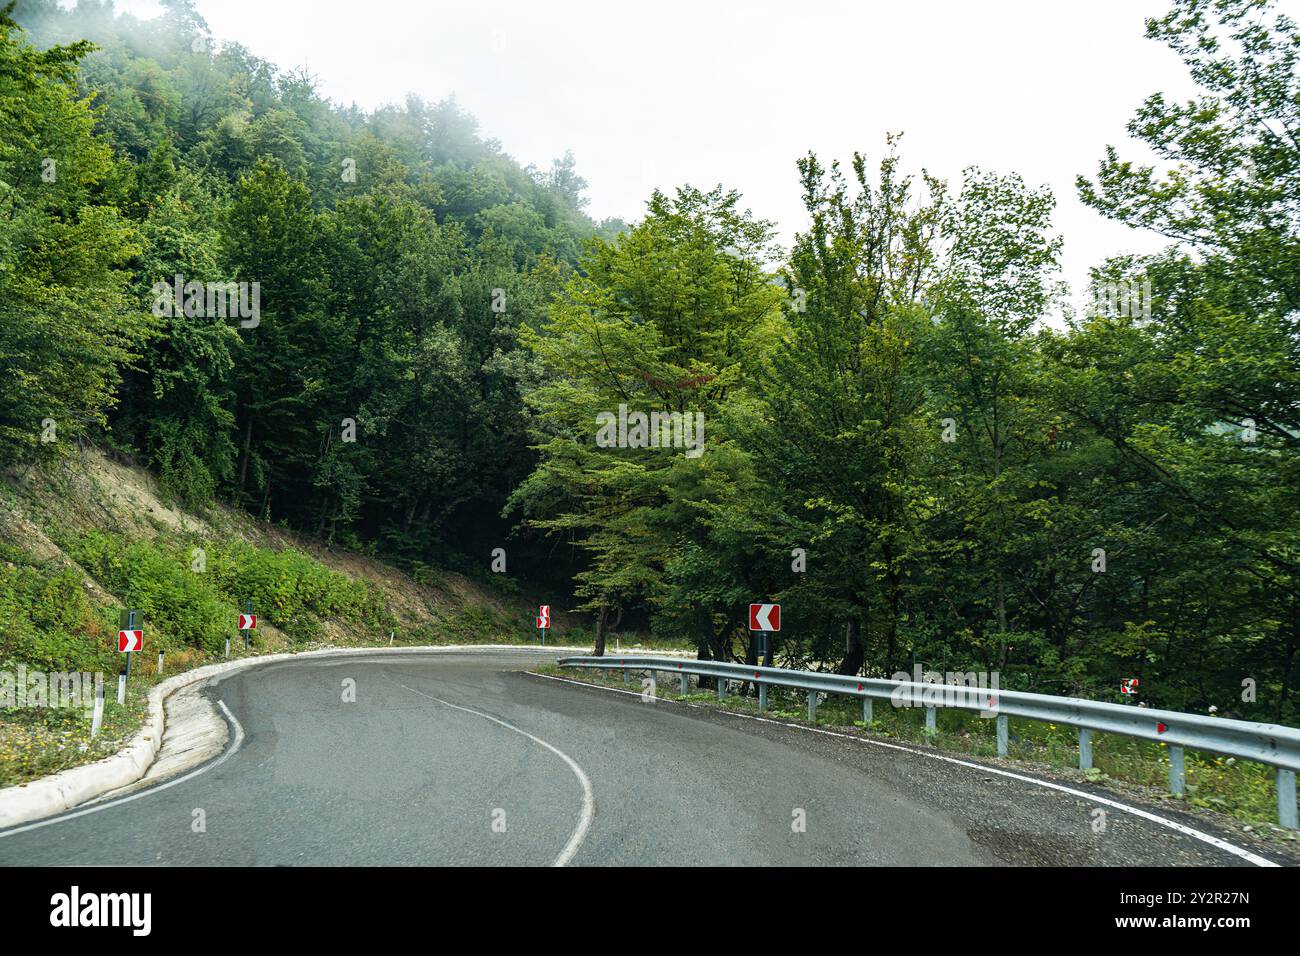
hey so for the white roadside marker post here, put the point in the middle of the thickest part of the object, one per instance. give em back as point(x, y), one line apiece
point(98, 717)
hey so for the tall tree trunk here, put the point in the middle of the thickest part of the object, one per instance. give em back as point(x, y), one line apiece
point(854, 653)
point(599, 650)
point(409, 517)
point(714, 650)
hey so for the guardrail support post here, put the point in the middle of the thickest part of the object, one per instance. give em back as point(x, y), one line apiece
point(812, 706)
point(1085, 748)
point(624, 675)
point(1177, 771)
point(1286, 812)
point(722, 688)
point(1002, 734)
point(762, 698)
point(686, 683)
point(866, 711)
point(931, 727)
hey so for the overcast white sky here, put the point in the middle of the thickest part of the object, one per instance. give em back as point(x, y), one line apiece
point(660, 93)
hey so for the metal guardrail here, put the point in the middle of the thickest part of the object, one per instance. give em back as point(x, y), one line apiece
point(1270, 744)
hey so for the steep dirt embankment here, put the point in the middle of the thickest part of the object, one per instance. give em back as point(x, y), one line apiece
point(90, 491)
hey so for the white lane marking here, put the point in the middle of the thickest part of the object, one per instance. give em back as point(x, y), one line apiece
point(149, 791)
point(1135, 811)
point(588, 802)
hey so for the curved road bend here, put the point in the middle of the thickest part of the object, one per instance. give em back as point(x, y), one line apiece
point(457, 758)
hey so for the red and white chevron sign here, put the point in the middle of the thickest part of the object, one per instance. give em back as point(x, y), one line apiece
point(248, 622)
point(1129, 686)
point(128, 641)
point(544, 616)
point(765, 617)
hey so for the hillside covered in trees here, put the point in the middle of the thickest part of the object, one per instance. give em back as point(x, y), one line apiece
point(443, 355)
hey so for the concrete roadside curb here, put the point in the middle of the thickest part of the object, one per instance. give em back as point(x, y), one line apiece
point(70, 788)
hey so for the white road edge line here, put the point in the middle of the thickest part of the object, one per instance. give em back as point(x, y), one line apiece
point(1135, 811)
point(149, 791)
point(588, 802)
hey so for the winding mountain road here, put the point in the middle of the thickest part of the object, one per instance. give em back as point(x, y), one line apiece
point(459, 758)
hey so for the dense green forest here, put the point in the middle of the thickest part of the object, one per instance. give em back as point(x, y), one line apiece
point(888, 438)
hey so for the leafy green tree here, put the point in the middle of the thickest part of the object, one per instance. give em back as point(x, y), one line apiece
point(272, 239)
point(1200, 400)
point(656, 322)
point(836, 421)
point(177, 399)
point(984, 486)
point(67, 321)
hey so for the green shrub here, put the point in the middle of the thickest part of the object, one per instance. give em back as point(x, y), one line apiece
point(180, 607)
point(46, 621)
point(292, 590)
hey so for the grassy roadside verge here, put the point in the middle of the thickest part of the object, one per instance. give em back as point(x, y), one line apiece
point(1238, 793)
